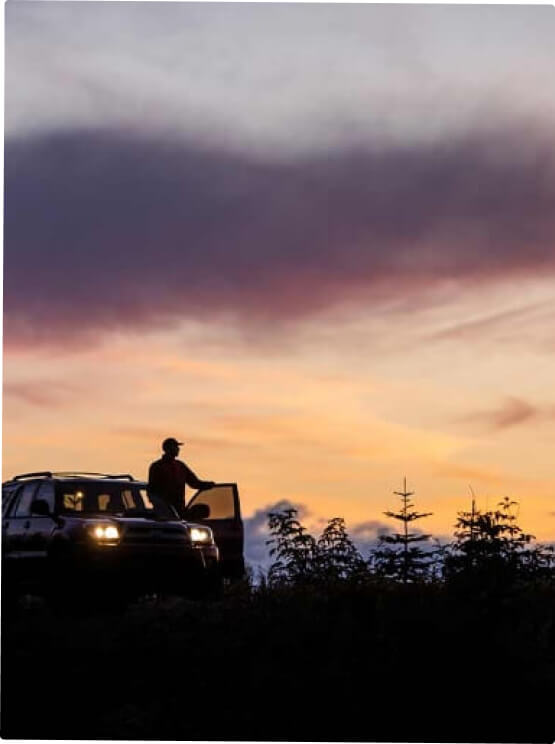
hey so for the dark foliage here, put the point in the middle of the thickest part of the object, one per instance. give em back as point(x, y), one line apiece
point(317, 651)
point(491, 553)
point(288, 662)
point(337, 556)
point(299, 558)
point(293, 548)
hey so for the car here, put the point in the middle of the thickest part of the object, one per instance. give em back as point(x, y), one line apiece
point(100, 538)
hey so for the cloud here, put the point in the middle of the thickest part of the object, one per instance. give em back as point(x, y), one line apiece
point(106, 230)
point(507, 319)
point(284, 76)
point(370, 530)
point(42, 393)
point(512, 412)
point(365, 535)
point(256, 531)
point(147, 435)
point(464, 472)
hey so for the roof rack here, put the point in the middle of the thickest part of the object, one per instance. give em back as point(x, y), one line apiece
point(42, 474)
point(70, 473)
point(78, 473)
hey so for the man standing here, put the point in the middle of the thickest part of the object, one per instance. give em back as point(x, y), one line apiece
point(168, 476)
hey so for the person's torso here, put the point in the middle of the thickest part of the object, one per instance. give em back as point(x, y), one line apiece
point(170, 475)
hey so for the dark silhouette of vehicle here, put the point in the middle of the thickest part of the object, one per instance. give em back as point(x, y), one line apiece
point(94, 537)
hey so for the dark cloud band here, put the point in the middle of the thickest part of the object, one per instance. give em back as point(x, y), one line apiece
point(107, 230)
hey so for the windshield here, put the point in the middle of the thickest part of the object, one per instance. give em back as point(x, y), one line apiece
point(123, 499)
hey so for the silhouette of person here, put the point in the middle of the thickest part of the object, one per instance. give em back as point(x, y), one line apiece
point(168, 476)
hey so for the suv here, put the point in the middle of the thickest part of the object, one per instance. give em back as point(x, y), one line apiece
point(76, 536)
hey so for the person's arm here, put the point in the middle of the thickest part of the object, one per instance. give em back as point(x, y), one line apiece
point(194, 482)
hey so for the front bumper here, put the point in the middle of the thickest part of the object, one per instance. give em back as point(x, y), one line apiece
point(139, 569)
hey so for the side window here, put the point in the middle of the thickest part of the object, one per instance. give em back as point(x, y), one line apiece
point(23, 505)
point(103, 501)
point(127, 497)
point(73, 501)
point(143, 495)
point(220, 499)
point(46, 493)
point(107, 502)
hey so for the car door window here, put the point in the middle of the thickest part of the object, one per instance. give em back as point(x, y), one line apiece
point(220, 499)
point(46, 493)
point(23, 505)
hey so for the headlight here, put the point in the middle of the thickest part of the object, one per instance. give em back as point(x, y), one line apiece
point(105, 533)
point(201, 535)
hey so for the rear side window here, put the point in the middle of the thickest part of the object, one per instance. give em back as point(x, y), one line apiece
point(25, 497)
point(73, 501)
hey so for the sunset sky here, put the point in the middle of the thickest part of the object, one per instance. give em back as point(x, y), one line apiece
point(317, 242)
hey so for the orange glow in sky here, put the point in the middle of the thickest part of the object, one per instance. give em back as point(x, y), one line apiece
point(332, 418)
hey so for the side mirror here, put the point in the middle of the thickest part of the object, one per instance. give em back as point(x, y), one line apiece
point(198, 512)
point(41, 508)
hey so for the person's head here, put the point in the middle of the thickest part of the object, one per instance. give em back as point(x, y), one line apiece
point(171, 446)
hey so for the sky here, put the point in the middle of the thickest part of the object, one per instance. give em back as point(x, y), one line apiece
point(315, 242)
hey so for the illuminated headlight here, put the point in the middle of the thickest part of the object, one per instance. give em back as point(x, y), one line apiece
point(201, 535)
point(105, 533)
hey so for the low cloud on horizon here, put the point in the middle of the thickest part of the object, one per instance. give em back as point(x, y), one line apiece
point(365, 535)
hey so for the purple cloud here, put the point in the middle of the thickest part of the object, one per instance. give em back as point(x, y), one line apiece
point(257, 533)
point(512, 412)
point(105, 230)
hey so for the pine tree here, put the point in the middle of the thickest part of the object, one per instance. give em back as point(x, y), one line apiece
point(399, 556)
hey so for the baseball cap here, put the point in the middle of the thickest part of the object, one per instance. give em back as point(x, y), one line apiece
point(169, 441)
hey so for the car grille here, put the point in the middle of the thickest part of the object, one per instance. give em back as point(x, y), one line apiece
point(154, 535)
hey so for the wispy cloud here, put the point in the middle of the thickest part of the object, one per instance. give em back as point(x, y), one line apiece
point(469, 473)
point(105, 230)
point(42, 393)
point(498, 321)
point(512, 412)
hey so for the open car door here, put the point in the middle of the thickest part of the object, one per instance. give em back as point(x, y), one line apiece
point(224, 517)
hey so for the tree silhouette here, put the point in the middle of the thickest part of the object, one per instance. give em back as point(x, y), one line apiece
point(293, 548)
point(300, 558)
point(399, 556)
point(491, 550)
point(337, 556)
